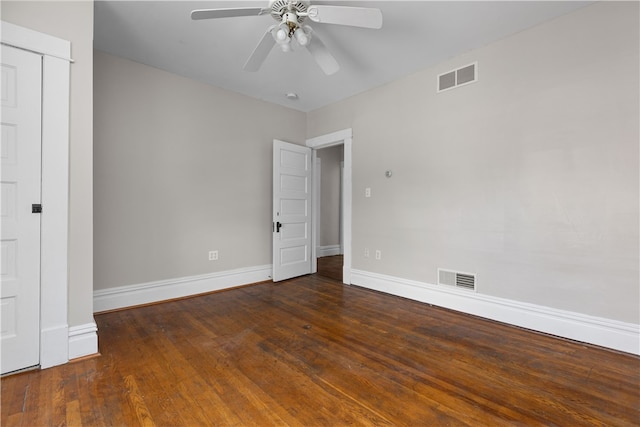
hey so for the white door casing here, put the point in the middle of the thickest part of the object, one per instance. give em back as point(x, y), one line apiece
point(344, 137)
point(291, 210)
point(316, 219)
point(21, 178)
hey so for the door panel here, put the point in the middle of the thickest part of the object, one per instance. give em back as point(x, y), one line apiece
point(20, 186)
point(291, 210)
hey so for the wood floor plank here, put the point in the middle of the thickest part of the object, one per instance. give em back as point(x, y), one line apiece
point(137, 402)
point(12, 397)
point(58, 401)
point(311, 351)
point(34, 396)
point(73, 417)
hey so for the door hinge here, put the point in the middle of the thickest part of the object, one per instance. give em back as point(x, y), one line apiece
point(36, 208)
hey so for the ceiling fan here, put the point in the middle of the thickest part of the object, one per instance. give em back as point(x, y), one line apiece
point(291, 30)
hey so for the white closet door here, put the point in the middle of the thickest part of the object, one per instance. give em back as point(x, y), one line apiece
point(20, 185)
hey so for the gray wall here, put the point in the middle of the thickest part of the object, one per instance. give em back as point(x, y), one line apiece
point(528, 177)
point(72, 21)
point(181, 168)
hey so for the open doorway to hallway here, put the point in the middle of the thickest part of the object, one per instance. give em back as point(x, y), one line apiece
point(330, 249)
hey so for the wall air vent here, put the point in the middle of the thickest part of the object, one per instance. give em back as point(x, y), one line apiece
point(457, 279)
point(458, 77)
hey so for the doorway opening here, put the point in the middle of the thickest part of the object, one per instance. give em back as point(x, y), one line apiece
point(328, 175)
point(331, 236)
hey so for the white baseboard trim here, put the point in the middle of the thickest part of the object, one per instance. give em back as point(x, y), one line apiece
point(330, 250)
point(146, 293)
point(576, 326)
point(83, 340)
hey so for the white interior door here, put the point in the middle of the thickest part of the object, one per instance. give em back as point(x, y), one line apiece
point(20, 184)
point(291, 210)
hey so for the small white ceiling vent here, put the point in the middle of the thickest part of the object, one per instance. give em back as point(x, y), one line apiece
point(457, 279)
point(458, 77)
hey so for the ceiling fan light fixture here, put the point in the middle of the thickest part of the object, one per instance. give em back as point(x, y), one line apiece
point(281, 33)
point(301, 36)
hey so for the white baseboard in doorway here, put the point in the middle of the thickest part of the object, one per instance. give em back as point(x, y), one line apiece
point(151, 292)
point(575, 326)
point(83, 340)
point(329, 250)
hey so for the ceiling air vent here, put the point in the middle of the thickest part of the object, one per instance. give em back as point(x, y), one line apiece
point(457, 279)
point(458, 77)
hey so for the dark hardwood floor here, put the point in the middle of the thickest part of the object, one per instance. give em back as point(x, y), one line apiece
point(312, 352)
point(331, 266)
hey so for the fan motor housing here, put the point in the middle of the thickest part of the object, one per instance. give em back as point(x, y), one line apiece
point(281, 7)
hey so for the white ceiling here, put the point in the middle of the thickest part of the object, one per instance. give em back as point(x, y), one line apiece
point(414, 35)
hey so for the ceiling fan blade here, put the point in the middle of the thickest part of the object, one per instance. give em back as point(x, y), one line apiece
point(323, 57)
point(261, 51)
point(228, 13)
point(364, 17)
